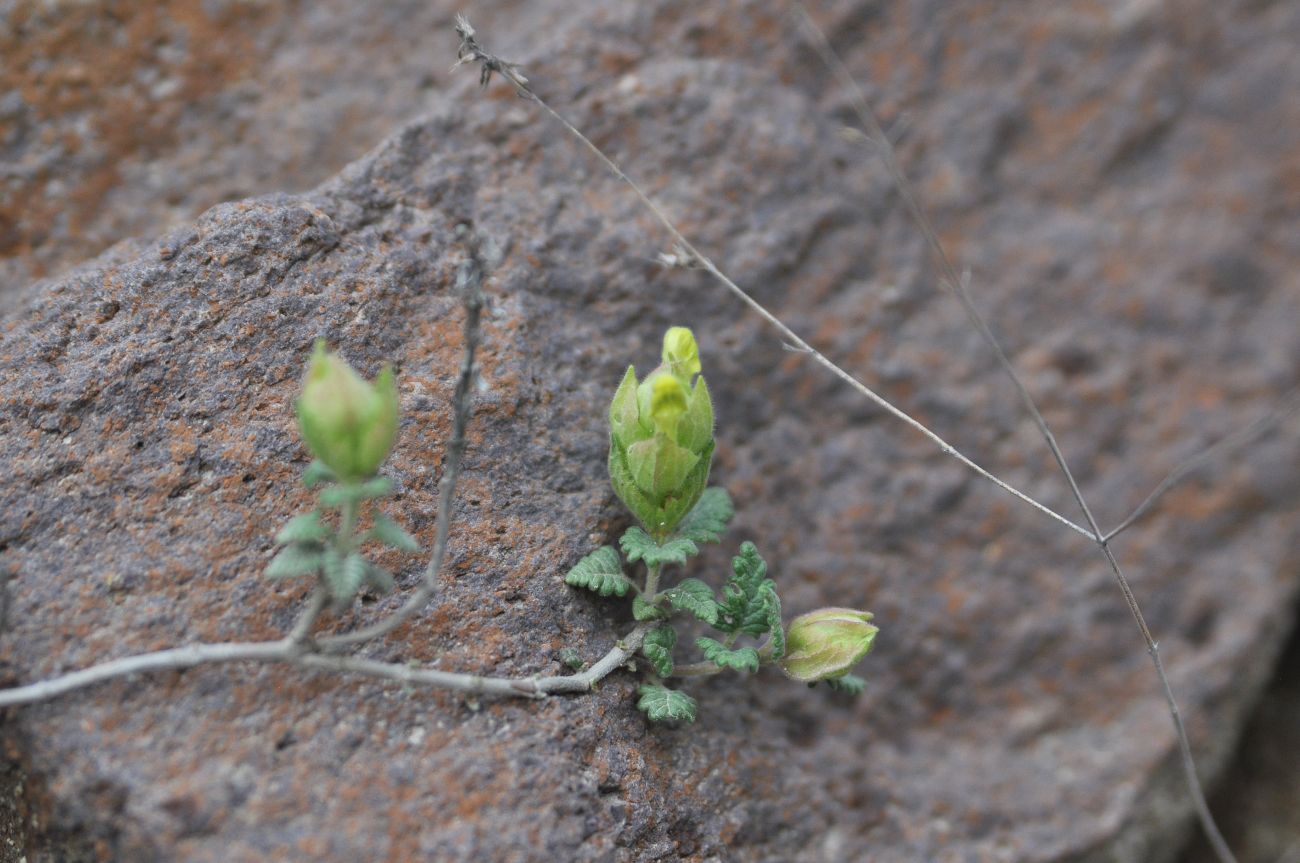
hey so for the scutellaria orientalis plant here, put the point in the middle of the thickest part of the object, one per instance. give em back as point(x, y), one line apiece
point(660, 449)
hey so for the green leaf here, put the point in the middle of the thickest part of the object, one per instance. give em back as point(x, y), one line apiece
point(300, 558)
point(343, 575)
point(658, 648)
point(749, 602)
point(693, 596)
point(302, 528)
point(317, 474)
point(708, 518)
point(661, 704)
point(774, 627)
point(849, 683)
point(338, 495)
point(600, 572)
point(638, 545)
point(379, 579)
point(741, 659)
point(391, 534)
point(642, 610)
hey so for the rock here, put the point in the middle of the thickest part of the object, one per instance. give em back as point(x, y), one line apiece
point(1096, 174)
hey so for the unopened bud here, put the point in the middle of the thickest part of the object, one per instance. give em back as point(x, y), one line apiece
point(348, 424)
point(661, 436)
point(827, 643)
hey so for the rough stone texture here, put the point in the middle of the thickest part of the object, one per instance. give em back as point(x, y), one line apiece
point(1123, 182)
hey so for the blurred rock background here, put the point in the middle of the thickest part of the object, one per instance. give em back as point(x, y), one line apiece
point(1124, 181)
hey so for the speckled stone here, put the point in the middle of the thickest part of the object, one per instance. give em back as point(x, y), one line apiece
point(1123, 184)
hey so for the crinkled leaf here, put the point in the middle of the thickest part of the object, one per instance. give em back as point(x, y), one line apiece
point(708, 518)
point(392, 534)
point(749, 598)
point(741, 658)
point(642, 610)
point(338, 495)
point(694, 596)
point(600, 572)
point(379, 579)
point(302, 528)
point(317, 474)
point(849, 683)
point(638, 545)
point(343, 576)
point(774, 627)
point(661, 704)
point(658, 648)
point(300, 558)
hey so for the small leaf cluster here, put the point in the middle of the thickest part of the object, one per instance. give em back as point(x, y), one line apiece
point(747, 606)
point(331, 551)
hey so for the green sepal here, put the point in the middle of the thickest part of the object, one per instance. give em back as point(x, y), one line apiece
point(741, 659)
point(379, 486)
point(318, 473)
point(302, 528)
point(639, 545)
point(642, 610)
point(661, 704)
point(658, 648)
point(391, 534)
point(708, 518)
point(600, 572)
point(300, 558)
point(850, 684)
point(695, 597)
point(659, 465)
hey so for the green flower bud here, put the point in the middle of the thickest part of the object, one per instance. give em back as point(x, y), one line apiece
point(348, 424)
point(827, 643)
point(661, 436)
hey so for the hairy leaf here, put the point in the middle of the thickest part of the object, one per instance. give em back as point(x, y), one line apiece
point(600, 572)
point(741, 659)
point(658, 648)
point(638, 545)
point(379, 579)
point(642, 610)
point(338, 495)
point(317, 474)
point(708, 518)
point(392, 534)
point(749, 602)
point(774, 627)
point(661, 704)
point(300, 558)
point(694, 596)
point(849, 683)
point(302, 528)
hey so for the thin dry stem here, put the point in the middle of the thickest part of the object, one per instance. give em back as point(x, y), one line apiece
point(1238, 439)
point(960, 289)
point(471, 50)
point(470, 284)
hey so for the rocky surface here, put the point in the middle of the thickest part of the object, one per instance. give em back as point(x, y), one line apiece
point(1122, 181)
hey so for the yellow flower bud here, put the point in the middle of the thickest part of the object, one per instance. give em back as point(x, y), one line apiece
point(347, 423)
point(827, 643)
point(667, 403)
point(681, 354)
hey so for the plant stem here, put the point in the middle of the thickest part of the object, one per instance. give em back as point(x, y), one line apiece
point(470, 282)
point(290, 653)
point(651, 583)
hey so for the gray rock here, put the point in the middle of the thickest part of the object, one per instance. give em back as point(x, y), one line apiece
point(1122, 189)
